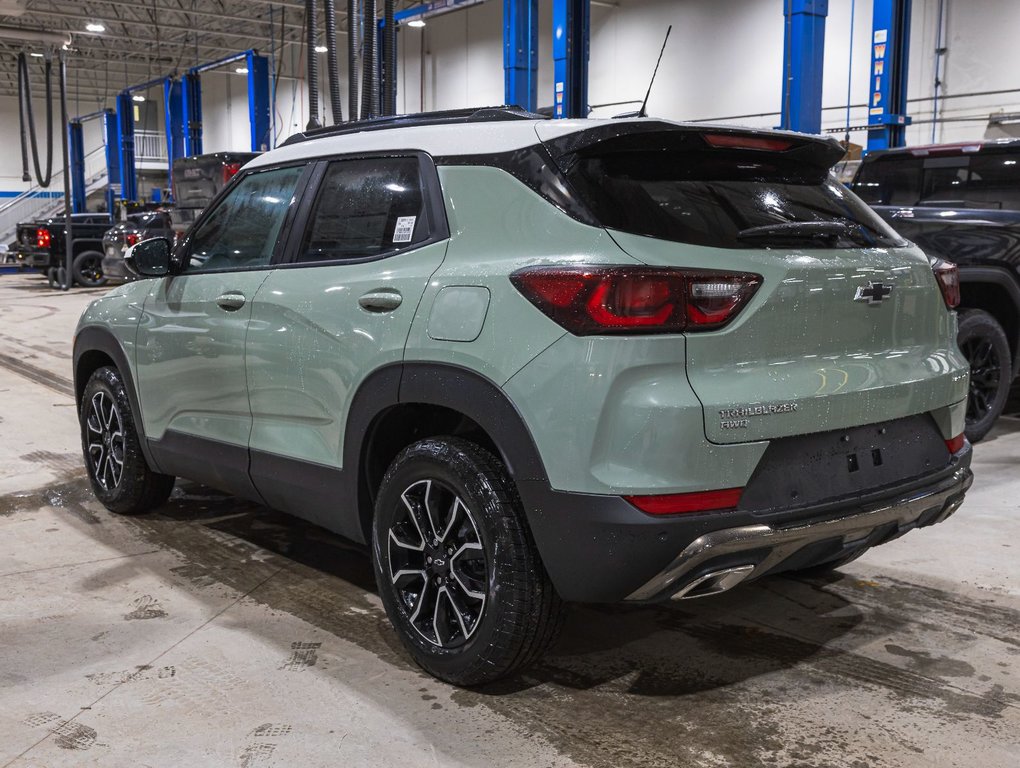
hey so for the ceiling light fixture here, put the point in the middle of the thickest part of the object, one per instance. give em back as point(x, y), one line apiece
point(242, 70)
point(138, 97)
point(37, 55)
point(95, 26)
point(321, 49)
point(417, 23)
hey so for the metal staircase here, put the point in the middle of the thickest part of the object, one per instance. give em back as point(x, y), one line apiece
point(38, 203)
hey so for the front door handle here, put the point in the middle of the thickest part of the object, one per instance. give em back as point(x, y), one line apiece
point(382, 300)
point(231, 302)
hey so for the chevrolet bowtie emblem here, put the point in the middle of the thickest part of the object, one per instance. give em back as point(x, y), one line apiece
point(873, 293)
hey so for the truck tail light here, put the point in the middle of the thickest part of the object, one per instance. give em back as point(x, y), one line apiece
point(678, 503)
point(230, 170)
point(606, 300)
point(948, 278)
point(955, 444)
point(42, 238)
point(131, 238)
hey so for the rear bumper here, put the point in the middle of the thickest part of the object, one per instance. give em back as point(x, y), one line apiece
point(601, 549)
point(766, 548)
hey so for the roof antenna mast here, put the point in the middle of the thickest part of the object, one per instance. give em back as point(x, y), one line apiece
point(644, 104)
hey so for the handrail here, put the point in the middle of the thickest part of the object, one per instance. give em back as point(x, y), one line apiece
point(33, 190)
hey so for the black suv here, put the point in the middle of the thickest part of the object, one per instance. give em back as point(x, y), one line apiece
point(961, 203)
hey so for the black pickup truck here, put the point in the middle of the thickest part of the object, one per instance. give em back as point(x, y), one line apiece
point(40, 246)
point(961, 202)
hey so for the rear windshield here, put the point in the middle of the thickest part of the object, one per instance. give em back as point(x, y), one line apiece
point(676, 186)
point(985, 180)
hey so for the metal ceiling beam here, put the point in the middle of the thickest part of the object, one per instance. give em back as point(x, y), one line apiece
point(147, 23)
point(211, 14)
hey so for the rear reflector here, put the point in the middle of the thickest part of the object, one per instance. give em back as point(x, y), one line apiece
point(743, 141)
point(677, 503)
point(955, 445)
point(948, 277)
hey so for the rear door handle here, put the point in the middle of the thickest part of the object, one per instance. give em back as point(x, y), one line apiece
point(382, 300)
point(231, 302)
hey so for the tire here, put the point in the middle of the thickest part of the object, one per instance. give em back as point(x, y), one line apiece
point(51, 278)
point(88, 269)
point(118, 473)
point(984, 344)
point(493, 609)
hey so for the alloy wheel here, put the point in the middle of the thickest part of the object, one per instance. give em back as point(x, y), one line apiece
point(985, 373)
point(105, 441)
point(437, 564)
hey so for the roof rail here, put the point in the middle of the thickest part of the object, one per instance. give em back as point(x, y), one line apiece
point(444, 117)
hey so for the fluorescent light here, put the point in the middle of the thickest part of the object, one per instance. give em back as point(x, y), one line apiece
point(138, 97)
point(242, 70)
point(37, 55)
point(417, 23)
point(95, 26)
point(321, 49)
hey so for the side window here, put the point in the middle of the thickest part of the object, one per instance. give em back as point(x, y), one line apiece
point(242, 230)
point(366, 208)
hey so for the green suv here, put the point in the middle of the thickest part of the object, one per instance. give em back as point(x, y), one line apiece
point(531, 361)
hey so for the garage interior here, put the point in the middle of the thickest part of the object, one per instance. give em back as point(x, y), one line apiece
point(217, 632)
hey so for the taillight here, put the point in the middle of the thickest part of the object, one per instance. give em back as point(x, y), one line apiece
point(42, 238)
point(743, 141)
point(955, 445)
point(230, 170)
point(948, 278)
point(605, 300)
point(131, 238)
point(677, 503)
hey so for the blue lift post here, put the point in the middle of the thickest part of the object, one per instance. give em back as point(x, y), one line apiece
point(173, 111)
point(520, 53)
point(126, 142)
point(258, 100)
point(803, 54)
point(191, 89)
point(110, 135)
point(887, 96)
point(76, 151)
point(571, 25)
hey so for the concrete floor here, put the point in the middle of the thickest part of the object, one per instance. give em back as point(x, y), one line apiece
point(218, 633)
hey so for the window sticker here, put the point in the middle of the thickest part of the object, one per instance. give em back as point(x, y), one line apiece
point(405, 227)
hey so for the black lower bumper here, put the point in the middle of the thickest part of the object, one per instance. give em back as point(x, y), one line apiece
point(602, 549)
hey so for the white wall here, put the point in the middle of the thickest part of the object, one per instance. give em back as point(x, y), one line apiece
point(724, 59)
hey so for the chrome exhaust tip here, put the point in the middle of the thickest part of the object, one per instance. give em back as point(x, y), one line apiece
point(715, 582)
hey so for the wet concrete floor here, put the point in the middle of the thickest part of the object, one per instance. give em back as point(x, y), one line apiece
point(214, 632)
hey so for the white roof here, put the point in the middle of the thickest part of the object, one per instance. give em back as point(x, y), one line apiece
point(450, 139)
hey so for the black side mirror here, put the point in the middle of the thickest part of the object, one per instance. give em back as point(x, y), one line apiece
point(150, 258)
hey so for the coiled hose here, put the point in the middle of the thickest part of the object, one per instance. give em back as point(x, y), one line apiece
point(335, 104)
point(25, 110)
point(390, 49)
point(311, 32)
point(369, 65)
point(352, 59)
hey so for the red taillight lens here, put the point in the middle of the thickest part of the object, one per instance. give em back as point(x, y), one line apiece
point(743, 141)
point(600, 300)
point(42, 238)
point(948, 278)
point(131, 238)
point(678, 503)
point(230, 170)
point(955, 445)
